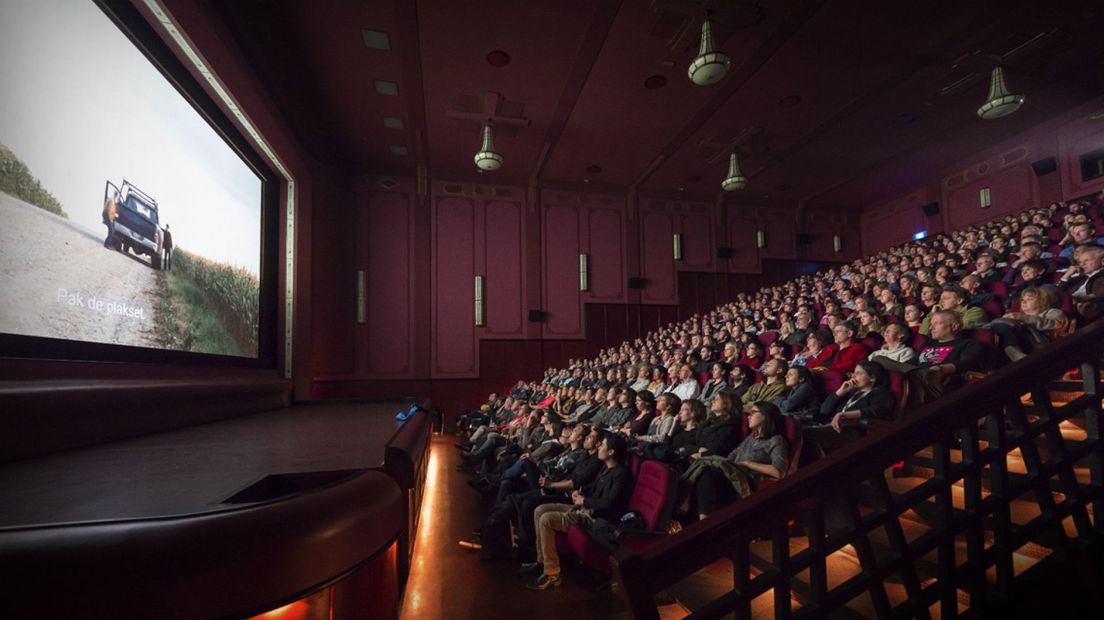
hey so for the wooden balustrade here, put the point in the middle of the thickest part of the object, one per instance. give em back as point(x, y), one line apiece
point(1012, 483)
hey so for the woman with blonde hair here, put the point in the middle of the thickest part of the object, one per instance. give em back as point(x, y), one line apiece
point(1034, 325)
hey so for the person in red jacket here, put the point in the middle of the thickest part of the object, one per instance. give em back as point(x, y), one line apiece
point(849, 352)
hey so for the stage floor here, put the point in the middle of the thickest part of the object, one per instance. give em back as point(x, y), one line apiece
point(193, 470)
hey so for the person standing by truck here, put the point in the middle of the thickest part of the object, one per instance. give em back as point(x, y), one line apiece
point(167, 246)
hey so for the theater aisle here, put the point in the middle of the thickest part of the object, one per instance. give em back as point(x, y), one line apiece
point(448, 581)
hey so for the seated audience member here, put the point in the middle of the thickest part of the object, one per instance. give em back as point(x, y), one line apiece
point(1080, 234)
point(954, 298)
point(753, 355)
point(848, 350)
point(895, 347)
point(643, 379)
point(742, 378)
point(658, 384)
point(683, 439)
point(870, 326)
point(771, 387)
point(1034, 325)
point(608, 408)
point(778, 350)
point(976, 295)
point(1029, 250)
point(803, 323)
point(715, 481)
point(914, 317)
point(717, 382)
point(944, 360)
point(985, 269)
point(606, 498)
point(1032, 273)
point(818, 349)
point(645, 411)
point(891, 305)
point(800, 398)
point(1086, 284)
point(687, 387)
point(848, 411)
point(667, 406)
point(721, 429)
point(625, 411)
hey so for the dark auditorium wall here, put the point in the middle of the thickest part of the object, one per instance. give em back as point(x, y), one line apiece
point(1005, 169)
point(420, 252)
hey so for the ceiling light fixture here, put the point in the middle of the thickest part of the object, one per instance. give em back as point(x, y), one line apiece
point(1000, 102)
point(711, 64)
point(735, 179)
point(487, 158)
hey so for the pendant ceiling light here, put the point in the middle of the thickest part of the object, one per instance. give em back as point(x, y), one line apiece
point(710, 64)
point(735, 179)
point(487, 158)
point(1000, 102)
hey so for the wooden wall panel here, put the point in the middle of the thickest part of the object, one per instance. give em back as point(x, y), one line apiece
point(505, 312)
point(742, 239)
point(781, 236)
point(1011, 189)
point(894, 222)
point(605, 235)
point(454, 350)
point(698, 246)
point(657, 264)
point(562, 301)
point(385, 248)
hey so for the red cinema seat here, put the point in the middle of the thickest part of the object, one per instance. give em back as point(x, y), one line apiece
point(653, 497)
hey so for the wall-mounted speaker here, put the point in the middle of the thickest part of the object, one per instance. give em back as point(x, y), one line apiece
point(724, 252)
point(930, 209)
point(1044, 166)
point(804, 239)
point(636, 283)
point(536, 316)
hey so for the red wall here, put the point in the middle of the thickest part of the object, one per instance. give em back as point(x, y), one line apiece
point(421, 252)
point(1006, 170)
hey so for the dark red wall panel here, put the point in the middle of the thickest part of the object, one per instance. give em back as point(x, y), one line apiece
point(781, 236)
point(1011, 190)
point(742, 239)
point(698, 247)
point(1075, 138)
point(605, 244)
point(384, 245)
point(504, 279)
point(894, 222)
point(657, 264)
point(562, 302)
point(454, 352)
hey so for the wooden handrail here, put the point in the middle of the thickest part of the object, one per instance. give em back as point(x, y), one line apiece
point(726, 532)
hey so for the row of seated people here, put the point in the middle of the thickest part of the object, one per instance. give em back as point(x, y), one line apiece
point(832, 353)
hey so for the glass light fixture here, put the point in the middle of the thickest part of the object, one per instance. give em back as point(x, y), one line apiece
point(761, 238)
point(1000, 102)
point(710, 65)
point(837, 245)
point(584, 281)
point(487, 158)
point(479, 301)
point(678, 246)
point(735, 179)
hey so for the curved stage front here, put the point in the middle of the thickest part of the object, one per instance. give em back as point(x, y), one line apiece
point(308, 504)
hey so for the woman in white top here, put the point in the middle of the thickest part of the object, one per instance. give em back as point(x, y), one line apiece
point(894, 347)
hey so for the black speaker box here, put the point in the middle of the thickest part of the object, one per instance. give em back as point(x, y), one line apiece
point(536, 316)
point(636, 283)
point(930, 209)
point(1044, 166)
point(724, 252)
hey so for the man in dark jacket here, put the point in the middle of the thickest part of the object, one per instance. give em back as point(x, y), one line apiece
point(605, 498)
point(943, 362)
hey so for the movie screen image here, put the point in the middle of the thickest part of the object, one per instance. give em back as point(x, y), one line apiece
point(125, 218)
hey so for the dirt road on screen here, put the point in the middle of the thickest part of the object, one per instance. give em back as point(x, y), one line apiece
point(58, 281)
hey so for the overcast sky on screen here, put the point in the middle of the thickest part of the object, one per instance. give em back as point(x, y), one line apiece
point(80, 105)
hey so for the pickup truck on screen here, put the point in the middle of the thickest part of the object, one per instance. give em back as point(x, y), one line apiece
point(132, 223)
